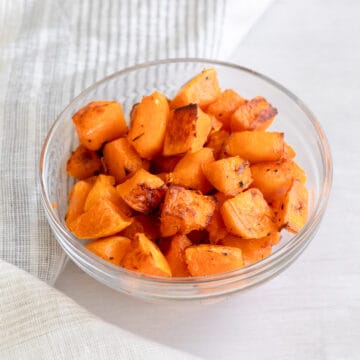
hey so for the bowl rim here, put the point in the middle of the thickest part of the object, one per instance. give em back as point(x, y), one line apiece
point(244, 273)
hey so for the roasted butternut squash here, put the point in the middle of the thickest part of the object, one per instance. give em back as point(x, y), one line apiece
point(230, 176)
point(175, 255)
point(102, 219)
point(148, 125)
point(202, 89)
point(203, 260)
point(146, 258)
point(188, 130)
point(99, 122)
point(248, 215)
point(185, 210)
point(256, 114)
point(255, 146)
point(143, 191)
point(193, 163)
point(216, 142)
point(224, 106)
point(111, 249)
point(83, 163)
point(121, 159)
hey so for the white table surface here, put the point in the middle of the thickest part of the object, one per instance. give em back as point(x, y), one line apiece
point(312, 310)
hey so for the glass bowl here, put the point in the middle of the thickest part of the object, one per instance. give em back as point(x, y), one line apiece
point(128, 86)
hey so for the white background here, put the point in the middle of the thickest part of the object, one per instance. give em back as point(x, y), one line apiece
point(312, 310)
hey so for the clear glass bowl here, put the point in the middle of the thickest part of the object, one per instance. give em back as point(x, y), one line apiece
point(301, 129)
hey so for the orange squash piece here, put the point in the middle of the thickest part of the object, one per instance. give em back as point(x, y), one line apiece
point(253, 250)
point(216, 227)
point(77, 199)
point(148, 125)
point(146, 258)
point(104, 189)
point(203, 260)
point(255, 146)
point(175, 255)
point(99, 122)
point(121, 159)
point(83, 163)
point(185, 210)
point(187, 130)
point(202, 89)
point(189, 170)
point(274, 179)
point(230, 176)
point(295, 210)
point(216, 142)
point(147, 224)
point(256, 114)
point(164, 164)
point(248, 215)
point(289, 152)
point(223, 107)
point(111, 249)
point(103, 219)
point(143, 191)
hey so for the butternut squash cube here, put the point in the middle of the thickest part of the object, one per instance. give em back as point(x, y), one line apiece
point(193, 163)
point(103, 219)
point(202, 89)
point(143, 191)
point(148, 125)
point(121, 159)
point(111, 249)
point(230, 176)
point(203, 260)
point(175, 255)
point(146, 258)
point(188, 130)
point(256, 114)
point(255, 146)
point(185, 210)
point(224, 106)
point(99, 122)
point(248, 215)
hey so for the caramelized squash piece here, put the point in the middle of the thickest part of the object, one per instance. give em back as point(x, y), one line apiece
point(253, 250)
point(203, 260)
point(185, 210)
point(230, 176)
point(224, 106)
point(104, 189)
point(143, 191)
point(202, 89)
point(77, 199)
point(175, 255)
point(274, 179)
point(146, 258)
point(99, 122)
point(295, 210)
point(164, 164)
point(248, 215)
point(188, 130)
point(103, 219)
point(148, 125)
point(83, 163)
point(216, 142)
point(111, 249)
point(193, 163)
point(216, 227)
point(147, 224)
point(121, 159)
point(255, 146)
point(256, 114)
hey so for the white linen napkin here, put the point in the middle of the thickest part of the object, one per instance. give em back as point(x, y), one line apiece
point(49, 52)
